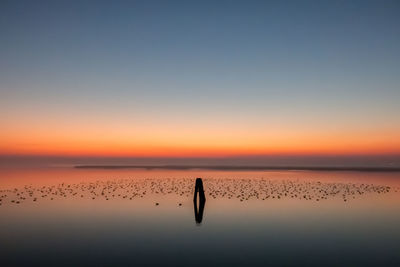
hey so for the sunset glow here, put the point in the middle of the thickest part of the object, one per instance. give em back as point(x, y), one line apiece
point(193, 140)
point(167, 91)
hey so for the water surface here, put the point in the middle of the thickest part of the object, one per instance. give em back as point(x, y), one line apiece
point(96, 217)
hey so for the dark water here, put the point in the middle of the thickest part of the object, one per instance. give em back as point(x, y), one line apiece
point(69, 217)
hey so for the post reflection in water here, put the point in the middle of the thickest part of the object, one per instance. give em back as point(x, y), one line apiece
point(199, 207)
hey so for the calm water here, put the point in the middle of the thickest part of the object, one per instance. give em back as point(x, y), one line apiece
point(72, 217)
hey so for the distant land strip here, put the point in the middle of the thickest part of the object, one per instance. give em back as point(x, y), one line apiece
point(242, 168)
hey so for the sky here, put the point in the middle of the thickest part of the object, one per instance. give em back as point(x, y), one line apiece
point(199, 78)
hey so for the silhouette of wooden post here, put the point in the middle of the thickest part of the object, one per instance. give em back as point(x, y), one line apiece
point(199, 190)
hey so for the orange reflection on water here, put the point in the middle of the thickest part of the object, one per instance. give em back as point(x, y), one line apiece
point(15, 177)
point(116, 187)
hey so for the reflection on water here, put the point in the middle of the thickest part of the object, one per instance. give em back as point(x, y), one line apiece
point(109, 218)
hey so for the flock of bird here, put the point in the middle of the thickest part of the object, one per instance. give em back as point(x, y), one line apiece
point(241, 189)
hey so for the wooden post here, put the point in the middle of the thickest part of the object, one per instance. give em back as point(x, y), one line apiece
point(199, 190)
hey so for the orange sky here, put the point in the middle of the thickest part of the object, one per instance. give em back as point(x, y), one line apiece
point(179, 140)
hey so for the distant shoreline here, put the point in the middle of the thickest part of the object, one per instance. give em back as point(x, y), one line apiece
point(241, 168)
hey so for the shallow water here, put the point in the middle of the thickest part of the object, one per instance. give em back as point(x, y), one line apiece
point(65, 216)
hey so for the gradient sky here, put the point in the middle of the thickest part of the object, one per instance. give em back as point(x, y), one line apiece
point(199, 78)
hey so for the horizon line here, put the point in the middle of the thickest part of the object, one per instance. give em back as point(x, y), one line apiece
point(243, 167)
point(201, 156)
